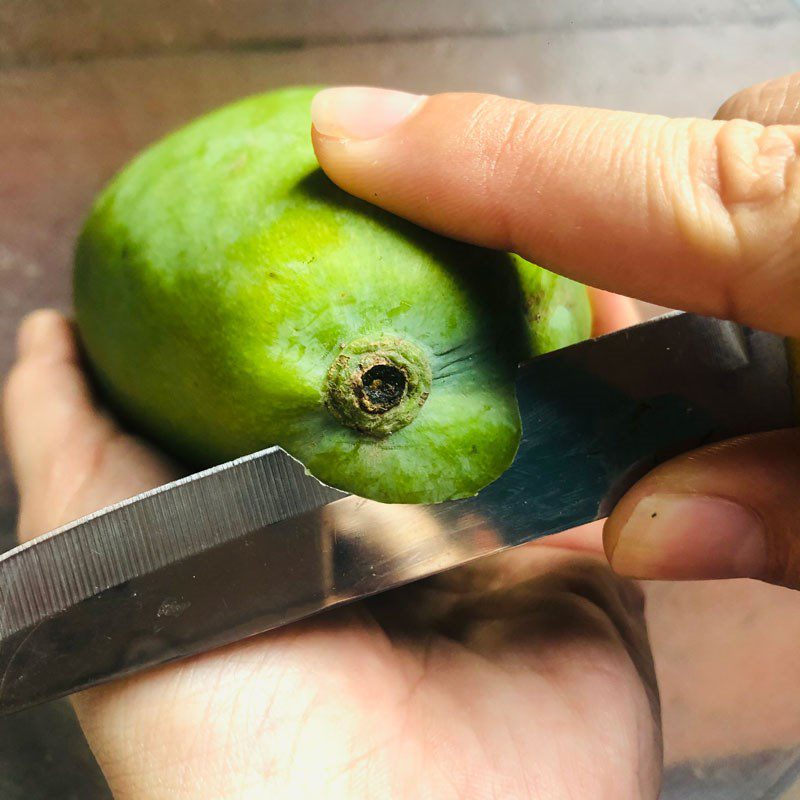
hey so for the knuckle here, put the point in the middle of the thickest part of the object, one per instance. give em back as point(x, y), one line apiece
point(758, 180)
point(732, 189)
point(741, 204)
point(757, 165)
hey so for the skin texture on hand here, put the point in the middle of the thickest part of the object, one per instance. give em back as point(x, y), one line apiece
point(701, 215)
point(526, 675)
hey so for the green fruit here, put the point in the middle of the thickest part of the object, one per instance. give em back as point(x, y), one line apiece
point(230, 297)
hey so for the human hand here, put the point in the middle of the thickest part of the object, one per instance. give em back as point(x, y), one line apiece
point(526, 675)
point(694, 214)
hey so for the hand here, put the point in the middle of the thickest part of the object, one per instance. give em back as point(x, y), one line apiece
point(694, 214)
point(523, 676)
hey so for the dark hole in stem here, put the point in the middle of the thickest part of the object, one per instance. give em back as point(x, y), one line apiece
point(383, 386)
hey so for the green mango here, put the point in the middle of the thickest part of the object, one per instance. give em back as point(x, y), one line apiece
point(229, 297)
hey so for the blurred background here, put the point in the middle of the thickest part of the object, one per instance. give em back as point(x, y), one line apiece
point(84, 84)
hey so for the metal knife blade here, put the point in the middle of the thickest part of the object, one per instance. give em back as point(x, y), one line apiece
point(258, 543)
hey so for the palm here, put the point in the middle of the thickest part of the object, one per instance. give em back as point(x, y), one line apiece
point(525, 676)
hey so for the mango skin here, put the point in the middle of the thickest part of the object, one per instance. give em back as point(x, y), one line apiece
point(220, 273)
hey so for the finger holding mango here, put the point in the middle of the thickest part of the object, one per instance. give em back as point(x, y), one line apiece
point(701, 215)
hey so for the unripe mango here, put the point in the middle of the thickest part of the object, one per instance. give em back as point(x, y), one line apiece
point(230, 297)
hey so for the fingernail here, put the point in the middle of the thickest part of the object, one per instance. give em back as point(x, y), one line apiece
point(361, 112)
point(36, 330)
point(690, 537)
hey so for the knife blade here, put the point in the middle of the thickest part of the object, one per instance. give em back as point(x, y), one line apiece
point(258, 543)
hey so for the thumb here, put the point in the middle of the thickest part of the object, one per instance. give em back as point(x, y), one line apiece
point(731, 510)
point(688, 213)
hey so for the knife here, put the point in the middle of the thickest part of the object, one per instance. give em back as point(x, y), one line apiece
point(258, 543)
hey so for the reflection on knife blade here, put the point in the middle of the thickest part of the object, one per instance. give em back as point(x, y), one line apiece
point(258, 543)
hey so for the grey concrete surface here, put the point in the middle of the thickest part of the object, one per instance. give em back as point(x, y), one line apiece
point(44, 31)
point(85, 84)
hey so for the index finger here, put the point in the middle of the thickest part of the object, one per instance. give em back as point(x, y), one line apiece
point(696, 214)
